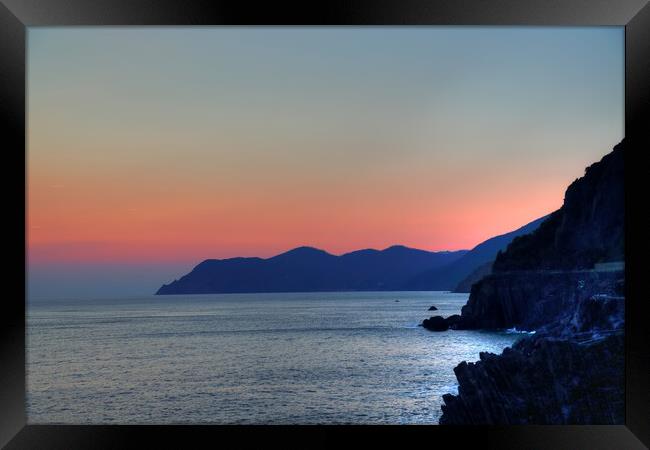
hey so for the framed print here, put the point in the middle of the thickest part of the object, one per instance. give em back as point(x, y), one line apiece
point(416, 220)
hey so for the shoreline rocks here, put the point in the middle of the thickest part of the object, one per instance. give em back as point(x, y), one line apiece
point(542, 380)
point(571, 373)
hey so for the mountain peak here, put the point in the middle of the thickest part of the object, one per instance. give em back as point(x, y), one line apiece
point(397, 247)
point(302, 252)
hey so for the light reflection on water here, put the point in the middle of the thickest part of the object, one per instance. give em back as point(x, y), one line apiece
point(353, 357)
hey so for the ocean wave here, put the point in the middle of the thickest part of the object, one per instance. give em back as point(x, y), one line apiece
point(514, 330)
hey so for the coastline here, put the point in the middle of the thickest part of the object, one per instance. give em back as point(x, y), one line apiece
point(566, 282)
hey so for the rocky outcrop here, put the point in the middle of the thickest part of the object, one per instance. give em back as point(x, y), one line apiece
point(439, 323)
point(432, 308)
point(572, 373)
point(542, 380)
point(436, 323)
point(552, 281)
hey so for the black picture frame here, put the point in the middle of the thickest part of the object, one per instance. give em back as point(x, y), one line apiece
point(16, 15)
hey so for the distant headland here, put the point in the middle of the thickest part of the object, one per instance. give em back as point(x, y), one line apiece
point(308, 269)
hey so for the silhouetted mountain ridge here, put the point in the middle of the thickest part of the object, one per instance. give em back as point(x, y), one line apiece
point(308, 269)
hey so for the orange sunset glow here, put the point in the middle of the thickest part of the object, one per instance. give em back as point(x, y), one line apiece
point(177, 145)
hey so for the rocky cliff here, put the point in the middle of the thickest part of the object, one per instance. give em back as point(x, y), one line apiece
point(530, 300)
point(587, 229)
point(571, 371)
point(542, 275)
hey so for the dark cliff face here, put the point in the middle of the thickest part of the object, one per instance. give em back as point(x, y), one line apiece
point(587, 229)
point(535, 281)
point(572, 370)
point(532, 300)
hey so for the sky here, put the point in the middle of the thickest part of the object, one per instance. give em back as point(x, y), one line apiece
point(151, 149)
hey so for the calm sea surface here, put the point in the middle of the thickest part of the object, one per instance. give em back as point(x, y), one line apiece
point(246, 358)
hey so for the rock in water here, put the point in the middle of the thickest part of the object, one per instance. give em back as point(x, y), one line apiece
point(433, 308)
point(436, 323)
point(439, 323)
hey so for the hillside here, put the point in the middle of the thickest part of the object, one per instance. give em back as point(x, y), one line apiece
point(448, 277)
point(307, 269)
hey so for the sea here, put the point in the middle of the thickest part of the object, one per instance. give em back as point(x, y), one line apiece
point(281, 358)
